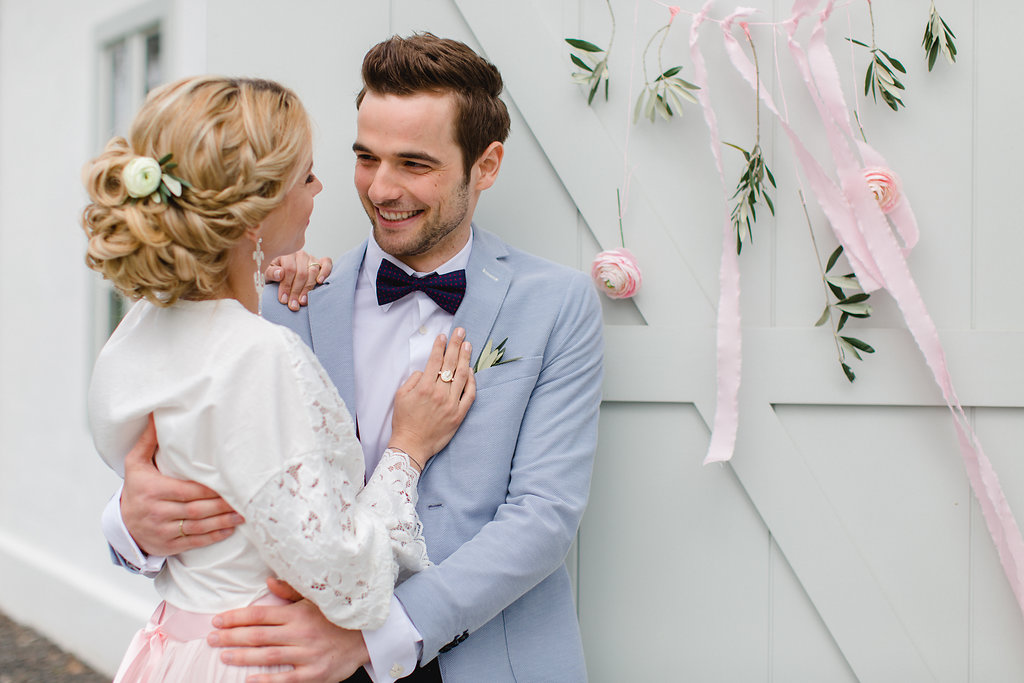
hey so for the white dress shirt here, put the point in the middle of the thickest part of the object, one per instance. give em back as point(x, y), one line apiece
point(390, 343)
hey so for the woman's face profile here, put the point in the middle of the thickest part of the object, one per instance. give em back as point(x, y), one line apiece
point(284, 229)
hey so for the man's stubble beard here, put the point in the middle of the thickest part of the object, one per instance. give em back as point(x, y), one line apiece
point(432, 233)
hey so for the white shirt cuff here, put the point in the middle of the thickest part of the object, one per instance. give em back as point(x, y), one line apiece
point(122, 542)
point(394, 647)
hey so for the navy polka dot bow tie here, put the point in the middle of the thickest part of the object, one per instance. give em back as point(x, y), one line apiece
point(446, 290)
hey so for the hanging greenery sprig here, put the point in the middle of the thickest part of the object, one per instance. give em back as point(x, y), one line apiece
point(938, 37)
point(666, 94)
point(751, 189)
point(596, 72)
point(839, 300)
point(880, 79)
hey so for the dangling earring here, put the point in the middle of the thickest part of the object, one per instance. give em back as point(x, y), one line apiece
point(258, 277)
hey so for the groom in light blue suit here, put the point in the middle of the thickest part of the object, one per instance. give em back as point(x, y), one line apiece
point(502, 502)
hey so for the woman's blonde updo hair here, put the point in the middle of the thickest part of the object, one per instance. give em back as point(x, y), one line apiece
point(238, 142)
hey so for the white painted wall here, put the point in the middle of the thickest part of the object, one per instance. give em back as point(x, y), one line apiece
point(56, 573)
point(842, 543)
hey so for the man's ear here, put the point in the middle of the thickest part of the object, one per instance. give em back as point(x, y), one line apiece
point(488, 165)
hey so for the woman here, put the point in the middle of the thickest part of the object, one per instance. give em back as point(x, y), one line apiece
point(216, 177)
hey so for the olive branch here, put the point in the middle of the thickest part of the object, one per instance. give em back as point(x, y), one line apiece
point(880, 79)
point(838, 299)
point(667, 90)
point(938, 37)
point(750, 190)
point(596, 72)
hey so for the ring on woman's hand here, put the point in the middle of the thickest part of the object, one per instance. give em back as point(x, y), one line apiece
point(181, 528)
point(314, 264)
point(446, 376)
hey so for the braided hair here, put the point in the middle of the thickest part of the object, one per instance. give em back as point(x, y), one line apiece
point(237, 142)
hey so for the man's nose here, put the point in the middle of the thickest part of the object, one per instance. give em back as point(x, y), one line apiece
point(384, 187)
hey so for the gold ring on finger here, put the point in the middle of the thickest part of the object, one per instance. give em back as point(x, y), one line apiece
point(446, 376)
point(314, 264)
point(181, 528)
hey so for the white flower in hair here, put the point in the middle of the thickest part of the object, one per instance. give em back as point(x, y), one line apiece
point(142, 176)
point(147, 177)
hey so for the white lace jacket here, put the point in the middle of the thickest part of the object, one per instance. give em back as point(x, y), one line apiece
point(243, 406)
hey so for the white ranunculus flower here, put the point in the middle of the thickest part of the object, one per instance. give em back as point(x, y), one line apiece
point(141, 176)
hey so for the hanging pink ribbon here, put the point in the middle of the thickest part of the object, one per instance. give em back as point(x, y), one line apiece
point(729, 333)
point(874, 253)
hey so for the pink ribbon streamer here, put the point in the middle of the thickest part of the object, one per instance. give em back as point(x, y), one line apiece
point(890, 260)
point(874, 253)
point(729, 333)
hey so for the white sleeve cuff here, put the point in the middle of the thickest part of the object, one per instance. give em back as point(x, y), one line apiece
point(394, 647)
point(122, 542)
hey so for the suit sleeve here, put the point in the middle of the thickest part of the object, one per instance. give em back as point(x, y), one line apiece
point(549, 482)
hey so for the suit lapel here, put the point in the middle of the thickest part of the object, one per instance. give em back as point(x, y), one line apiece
point(330, 323)
point(487, 281)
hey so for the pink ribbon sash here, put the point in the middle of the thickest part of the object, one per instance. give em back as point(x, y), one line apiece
point(168, 622)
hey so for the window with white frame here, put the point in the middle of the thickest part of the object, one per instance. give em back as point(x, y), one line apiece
point(131, 61)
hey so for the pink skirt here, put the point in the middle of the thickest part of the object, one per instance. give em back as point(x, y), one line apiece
point(172, 647)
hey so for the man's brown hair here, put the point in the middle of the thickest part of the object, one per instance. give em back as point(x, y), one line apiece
point(425, 63)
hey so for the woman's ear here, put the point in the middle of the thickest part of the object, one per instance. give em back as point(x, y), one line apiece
point(488, 165)
point(253, 234)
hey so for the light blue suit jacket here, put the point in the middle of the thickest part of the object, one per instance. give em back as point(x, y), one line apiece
point(502, 502)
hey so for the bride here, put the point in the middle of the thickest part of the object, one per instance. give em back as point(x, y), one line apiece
point(216, 177)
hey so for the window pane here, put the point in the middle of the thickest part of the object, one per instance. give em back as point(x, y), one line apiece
point(121, 104)
point(117, 306)
point(153, 72)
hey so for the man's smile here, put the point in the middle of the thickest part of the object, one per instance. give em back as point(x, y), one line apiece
point(396, 216)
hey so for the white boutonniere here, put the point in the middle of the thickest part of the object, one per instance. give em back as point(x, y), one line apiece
point(492, 355)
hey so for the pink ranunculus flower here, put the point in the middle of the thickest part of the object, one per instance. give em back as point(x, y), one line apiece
point(885, 186)
point(616, 273)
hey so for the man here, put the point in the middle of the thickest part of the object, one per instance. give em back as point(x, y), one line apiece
point(501, 504)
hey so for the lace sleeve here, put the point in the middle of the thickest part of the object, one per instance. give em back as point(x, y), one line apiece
point(339, 544)
point(313, 533)
point(391, 491)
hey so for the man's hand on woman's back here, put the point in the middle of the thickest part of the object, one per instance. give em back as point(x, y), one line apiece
point(166, 516)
